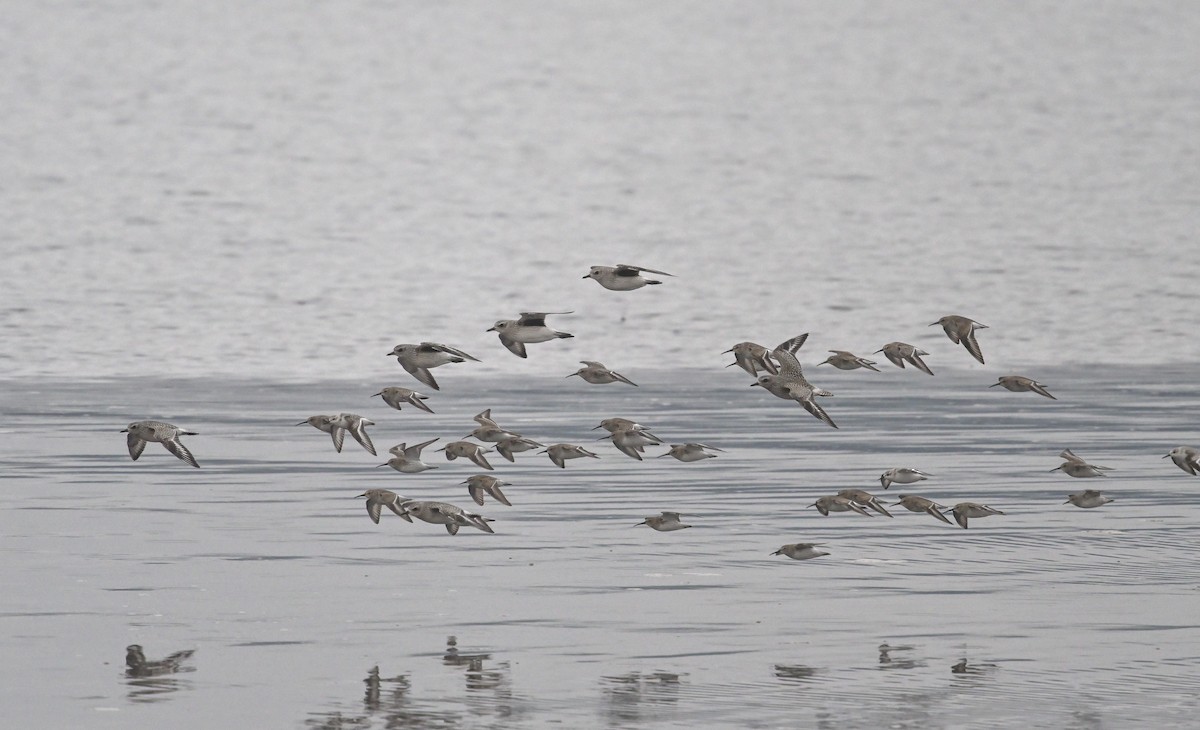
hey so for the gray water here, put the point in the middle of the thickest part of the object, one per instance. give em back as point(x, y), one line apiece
point(224, 214)
point(263, 561)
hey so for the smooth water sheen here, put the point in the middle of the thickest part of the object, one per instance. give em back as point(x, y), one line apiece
point(262, 560)
point(224, 214)
point(287, 189)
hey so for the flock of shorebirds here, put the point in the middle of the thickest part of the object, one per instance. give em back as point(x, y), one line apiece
point(776, 370)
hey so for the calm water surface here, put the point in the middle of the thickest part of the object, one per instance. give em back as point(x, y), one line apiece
point(290, 189)
point(224, 214)
point(264, 562)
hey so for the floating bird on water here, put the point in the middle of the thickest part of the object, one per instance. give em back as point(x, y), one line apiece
point(1186, 458)
point(144, 432)
point(800, 551)
point(961, 330)
point(902, 352)
point(665, 522)
point(595, 372)
point(396, 396)
point(902, 475)
point(377, 499)
point(623, 277)
point(1088, 499)
point(419, 359)
point(1022, 384)
point(529, 328)
point(964, 510)
point(136, 664)
point(843, 360)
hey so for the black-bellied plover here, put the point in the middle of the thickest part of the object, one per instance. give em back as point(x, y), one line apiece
point(144, 432)
point(529, 328)
point(623, 277)
point(1186, 458)
point(419, 359)
point(790, 383)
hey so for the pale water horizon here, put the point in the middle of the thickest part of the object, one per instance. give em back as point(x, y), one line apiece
point(225, 215)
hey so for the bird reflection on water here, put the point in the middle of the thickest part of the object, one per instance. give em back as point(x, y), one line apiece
point(887, 661)
point(489, 695)
point(795, 673)
point(478, 678)
point(963, 667)
point(398, 687)
point(636, 697)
